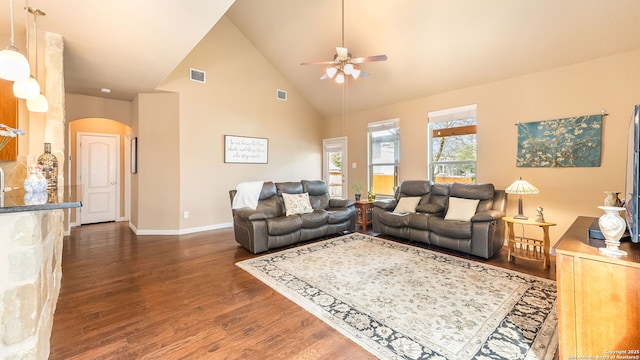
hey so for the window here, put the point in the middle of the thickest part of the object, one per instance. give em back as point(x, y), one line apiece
point(452, 145)
point(384, 156)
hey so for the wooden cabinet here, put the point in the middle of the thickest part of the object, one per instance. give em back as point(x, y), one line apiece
point(598, 297)
point(9, 117)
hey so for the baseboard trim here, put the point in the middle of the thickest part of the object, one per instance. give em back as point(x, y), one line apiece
point(179, 231)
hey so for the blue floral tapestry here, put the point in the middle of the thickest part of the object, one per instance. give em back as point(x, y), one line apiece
point(569, 142)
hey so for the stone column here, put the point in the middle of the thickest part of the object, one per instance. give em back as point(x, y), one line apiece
point(55, 130)
point(30, 274)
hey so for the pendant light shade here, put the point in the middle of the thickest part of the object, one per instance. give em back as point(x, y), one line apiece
point(13, 65)
point(39, 104)
point(26, 89)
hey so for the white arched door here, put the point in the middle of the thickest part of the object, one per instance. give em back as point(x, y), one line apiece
point(99, 162)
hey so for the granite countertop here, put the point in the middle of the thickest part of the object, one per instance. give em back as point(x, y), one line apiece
point(17, 200)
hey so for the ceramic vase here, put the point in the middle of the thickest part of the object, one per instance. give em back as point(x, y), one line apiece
point(35, 182)
point(612, 198)
point(612, 226)
point(371, 195)
point(49, 164)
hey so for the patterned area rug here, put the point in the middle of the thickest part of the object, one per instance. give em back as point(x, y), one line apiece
point(405, 302)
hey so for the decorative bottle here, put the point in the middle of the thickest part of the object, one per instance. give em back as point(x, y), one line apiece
point(49, 164)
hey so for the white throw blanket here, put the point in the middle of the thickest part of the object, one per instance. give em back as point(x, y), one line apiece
point(247, 195)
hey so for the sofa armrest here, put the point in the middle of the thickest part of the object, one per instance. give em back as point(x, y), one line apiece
point(385, 204)
point(250, 214)
point(487, 215)
point(340, 203)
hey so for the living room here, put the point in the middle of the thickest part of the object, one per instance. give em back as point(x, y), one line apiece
point(181, 131)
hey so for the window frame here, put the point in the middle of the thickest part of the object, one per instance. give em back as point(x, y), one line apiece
point(390, 124)
point(451, 114)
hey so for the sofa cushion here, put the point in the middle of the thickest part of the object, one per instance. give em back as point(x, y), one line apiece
point(450, 228)
point(314, 219)
point(430, 208)
point(394, 219)
point(290, 187)
point(415, 187)
point(318, 193)
point(296, 203)
point(407, 204)
point(284, 225)
point(461, 209)
point(340, 216)
point(482, 192)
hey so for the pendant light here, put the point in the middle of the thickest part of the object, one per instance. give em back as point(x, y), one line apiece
point(39, 103)
point(13, 65)
point(29, 87)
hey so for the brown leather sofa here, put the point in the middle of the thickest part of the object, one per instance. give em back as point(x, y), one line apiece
point(481, 235)
point(269, 227)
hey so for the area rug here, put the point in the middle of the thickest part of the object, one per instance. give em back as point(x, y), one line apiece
point(405, 302)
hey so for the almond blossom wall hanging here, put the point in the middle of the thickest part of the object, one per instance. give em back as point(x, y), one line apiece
point(568, 142)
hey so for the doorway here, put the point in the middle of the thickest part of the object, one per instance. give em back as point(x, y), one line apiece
point(334, 166)
point(99, 162)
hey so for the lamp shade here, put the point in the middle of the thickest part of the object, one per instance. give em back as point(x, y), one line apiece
point(521, 187)
point(13, 65)
point(39, 104)
point(26, 89)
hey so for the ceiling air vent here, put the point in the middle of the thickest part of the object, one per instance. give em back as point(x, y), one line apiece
point(197, 75)
point(281, 95)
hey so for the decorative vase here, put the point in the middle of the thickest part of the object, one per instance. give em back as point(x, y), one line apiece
point(49, 164)
point(371, 195)
point(357, 197)
point(612, 226)
point(612, 199)
point(35, 182)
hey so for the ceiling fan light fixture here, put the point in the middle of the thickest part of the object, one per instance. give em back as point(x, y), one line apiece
point(348, 69)
point(331, 72)
point(340, 78)
point(355, 73)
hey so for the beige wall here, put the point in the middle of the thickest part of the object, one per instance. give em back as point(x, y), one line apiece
point(157, 189)
point(611, 83)
point(239, 98)
point(85, 106)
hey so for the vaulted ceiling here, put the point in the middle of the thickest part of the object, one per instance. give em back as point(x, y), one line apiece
point(433, 46)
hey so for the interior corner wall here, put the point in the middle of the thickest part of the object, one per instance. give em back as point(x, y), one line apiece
point(238, 98)
point(610, 83)
point(156, 186)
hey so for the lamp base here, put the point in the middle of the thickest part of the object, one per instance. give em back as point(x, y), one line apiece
point(520, 216)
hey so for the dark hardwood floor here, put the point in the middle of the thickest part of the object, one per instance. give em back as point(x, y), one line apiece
point(181, 297)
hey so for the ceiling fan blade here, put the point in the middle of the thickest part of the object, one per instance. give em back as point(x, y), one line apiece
point(325, 76)
point(319, 63)
point(363, 74)
point(369, 59)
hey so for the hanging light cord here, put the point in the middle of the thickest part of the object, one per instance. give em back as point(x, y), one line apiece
point(11, 21)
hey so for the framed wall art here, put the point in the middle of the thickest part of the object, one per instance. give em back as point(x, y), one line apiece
point(245, 150)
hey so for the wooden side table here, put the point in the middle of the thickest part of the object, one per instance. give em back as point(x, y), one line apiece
point(362, 210)
point(529, 248)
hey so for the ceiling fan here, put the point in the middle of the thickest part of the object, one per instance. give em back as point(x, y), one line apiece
point(343, 63)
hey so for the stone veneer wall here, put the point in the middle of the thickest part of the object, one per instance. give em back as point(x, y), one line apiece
point(30, 277)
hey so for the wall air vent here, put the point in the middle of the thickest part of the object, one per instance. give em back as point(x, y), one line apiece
point(281, 95)
point(197, 75)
